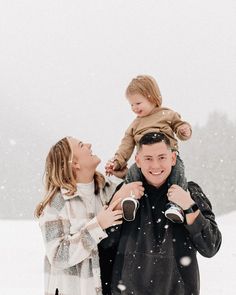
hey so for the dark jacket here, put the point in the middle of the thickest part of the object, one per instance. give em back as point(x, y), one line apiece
point(155, 256)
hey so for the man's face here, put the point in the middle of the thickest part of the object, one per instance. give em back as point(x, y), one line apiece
point(155, 162)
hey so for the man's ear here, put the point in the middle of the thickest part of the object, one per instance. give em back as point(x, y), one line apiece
point(137, 160)
point(173, 158)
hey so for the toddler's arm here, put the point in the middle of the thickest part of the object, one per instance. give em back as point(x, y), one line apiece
point(123, 154)
point(181, 128)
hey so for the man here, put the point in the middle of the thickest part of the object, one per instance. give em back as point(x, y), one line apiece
point(154, 255)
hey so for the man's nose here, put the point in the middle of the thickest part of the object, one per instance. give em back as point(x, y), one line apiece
point(88, 145)
point(155, 163)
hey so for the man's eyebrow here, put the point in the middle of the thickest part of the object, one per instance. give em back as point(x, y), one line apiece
point(159, 155)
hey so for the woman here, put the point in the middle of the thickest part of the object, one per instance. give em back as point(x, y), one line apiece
point(73, 218)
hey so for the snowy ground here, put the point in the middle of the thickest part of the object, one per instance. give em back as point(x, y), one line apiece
point(21, 256)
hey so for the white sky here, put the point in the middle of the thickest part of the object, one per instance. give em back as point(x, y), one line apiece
point(64, 65)
point(84, 53)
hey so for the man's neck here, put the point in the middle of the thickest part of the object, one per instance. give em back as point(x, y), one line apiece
point(159, 187)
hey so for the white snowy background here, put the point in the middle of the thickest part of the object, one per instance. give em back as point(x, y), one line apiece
point(22, 253)
point(64, 67)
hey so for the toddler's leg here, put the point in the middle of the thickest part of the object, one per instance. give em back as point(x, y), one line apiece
point(133, 174)
point(130, 204)
point(177, 176)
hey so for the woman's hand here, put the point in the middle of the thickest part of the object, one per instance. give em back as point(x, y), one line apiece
point(108, 216)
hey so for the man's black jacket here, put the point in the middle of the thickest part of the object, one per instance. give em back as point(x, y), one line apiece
point(153, 256)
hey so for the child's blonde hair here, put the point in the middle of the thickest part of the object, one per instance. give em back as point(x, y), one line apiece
point(146, 86)
point(59, 174)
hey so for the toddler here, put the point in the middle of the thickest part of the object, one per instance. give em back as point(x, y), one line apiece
point(144, 97)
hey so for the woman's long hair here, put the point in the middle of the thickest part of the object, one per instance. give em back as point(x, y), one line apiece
point(59, 174)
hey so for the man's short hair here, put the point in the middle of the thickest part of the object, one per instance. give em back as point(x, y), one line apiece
point(151, 138)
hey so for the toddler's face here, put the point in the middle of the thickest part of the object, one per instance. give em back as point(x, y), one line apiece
point(140, 105)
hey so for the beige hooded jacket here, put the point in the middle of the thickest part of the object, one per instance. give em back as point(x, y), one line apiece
point(161, 119)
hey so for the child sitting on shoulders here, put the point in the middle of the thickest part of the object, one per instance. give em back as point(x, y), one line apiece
point(144, 97)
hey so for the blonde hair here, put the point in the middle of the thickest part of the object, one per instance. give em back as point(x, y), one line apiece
point(59, 174)
point(146, 86)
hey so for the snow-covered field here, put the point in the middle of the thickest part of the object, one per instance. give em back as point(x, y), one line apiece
point(21, 260)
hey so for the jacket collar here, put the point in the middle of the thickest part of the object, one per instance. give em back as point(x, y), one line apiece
point(79, 192)
point(66, 197)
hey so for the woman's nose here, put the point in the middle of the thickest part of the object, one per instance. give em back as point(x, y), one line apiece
point(88, 145)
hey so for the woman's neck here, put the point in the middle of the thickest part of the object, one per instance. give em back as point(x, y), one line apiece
point(85, 178)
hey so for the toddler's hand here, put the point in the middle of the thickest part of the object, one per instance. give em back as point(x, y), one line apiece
point(185, 130)
point(108, 216)
point(120, 173)
point(109, 167)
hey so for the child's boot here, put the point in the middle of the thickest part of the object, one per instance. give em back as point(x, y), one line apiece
point(174, 213)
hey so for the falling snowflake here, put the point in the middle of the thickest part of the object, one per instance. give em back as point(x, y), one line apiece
point(185, 260)
point(121, 286)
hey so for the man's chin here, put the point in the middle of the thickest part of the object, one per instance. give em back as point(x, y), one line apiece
point(154, 180)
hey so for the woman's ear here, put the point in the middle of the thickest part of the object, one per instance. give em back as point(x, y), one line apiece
point(75, 165)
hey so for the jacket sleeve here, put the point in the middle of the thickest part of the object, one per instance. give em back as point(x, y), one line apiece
point(204, 232)
point(62, 248)
point(176, 123)
point(107, 192)
point(126, 148)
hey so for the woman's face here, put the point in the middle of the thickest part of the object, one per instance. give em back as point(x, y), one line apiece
point(82, 157)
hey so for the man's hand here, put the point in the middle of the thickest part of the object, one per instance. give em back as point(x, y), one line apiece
point(179, 196)
point(108, 216)
point(182, 198)
point(134, 189)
